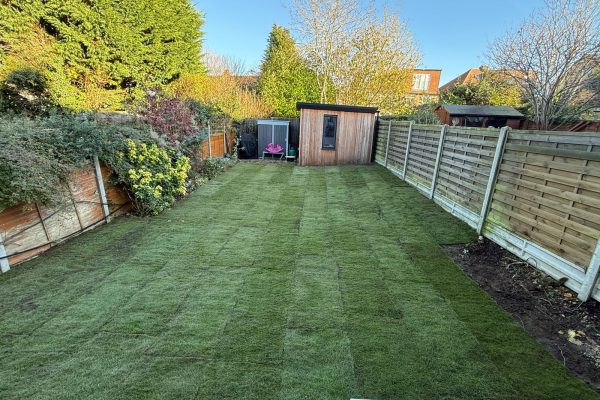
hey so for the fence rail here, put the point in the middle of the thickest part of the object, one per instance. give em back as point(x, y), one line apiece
point(537, 194)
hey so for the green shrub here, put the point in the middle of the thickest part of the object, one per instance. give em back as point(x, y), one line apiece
point(212, 167)
point(37, 155)
point(32, 163)
point(25, 91)
point(154, 176)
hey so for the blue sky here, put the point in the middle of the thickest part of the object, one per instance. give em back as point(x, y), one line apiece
point(451, 34)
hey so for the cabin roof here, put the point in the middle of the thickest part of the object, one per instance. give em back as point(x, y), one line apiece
point(481, 111)
point(336, 107)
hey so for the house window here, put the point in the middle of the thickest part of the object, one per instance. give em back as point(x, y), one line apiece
point(421, 82)
point(329, 132)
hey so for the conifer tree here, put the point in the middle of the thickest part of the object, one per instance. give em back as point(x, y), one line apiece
point(100, 54)
point(284, 77)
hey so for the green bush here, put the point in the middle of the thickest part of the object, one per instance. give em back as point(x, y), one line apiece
point(32, 163)
point(212, 167)
point(154, 176)
point(37, 155)
point(25, 91)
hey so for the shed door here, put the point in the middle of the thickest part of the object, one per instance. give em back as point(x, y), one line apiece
point(276, 134)
point(265, 135)
point(280, 137)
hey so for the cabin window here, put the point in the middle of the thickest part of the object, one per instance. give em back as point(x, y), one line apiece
point(329, 132)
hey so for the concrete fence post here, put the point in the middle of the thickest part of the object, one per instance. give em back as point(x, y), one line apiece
point(438, 160)
point(591, 276)
point(4, 264)
point(408, 140)
point(387, 145)
point(489, 190)
point(101, 190)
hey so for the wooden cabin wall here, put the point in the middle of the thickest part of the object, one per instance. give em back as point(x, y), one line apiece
point(354, 138)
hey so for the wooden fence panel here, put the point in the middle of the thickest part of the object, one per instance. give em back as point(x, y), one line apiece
point(396, 147)
point(465, 165)
point(423, 153)
point(29, 229)
point(541, 191)
point(381, 141)
point(398, 140)
point(548, 191)
point(217, 145)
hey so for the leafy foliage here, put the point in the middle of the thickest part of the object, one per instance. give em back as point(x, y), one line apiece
point(155, 176)
point(212, 167)
point(25, 90)
point(424, 115)
point(31, 164)
point(285, 77)
point(171, 117)
point(36, 156)
point(97, 55)
point(494, 88)
point(225, 91)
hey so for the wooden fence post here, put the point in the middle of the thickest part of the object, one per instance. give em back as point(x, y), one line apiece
point(100, 182)
point(4, 264)
point(410, 129)
point(224, 140)
point(489, 190)
point(438, 160)
point(591, 276)
point(387, 145)
point(209, 143)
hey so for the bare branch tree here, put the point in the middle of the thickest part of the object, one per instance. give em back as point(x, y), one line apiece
point(358, 56)
point(324, 29)
point(552, 56)
point(380, 68)
point(218, 64)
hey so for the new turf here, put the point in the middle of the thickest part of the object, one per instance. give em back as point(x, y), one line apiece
point(270, 282)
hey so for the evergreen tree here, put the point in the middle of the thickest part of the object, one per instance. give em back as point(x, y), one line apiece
point(285, 78)
point(99, 54)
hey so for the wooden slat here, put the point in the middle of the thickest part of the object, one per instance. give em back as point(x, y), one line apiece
point(463, 130)
point(582, 247)
point(474, 160)
point(553, 178)
point(467, 183)
point(571, 138)
point(475, 142)
point(581, 229)
point(567, 208)
point(474, 170)
point(590, 201)
point(583, 155)
point(465, 149)
point(556, 165)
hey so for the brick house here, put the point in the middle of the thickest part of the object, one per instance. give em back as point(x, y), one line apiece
point(474, 75)
point(425, 86)
point(471, 76)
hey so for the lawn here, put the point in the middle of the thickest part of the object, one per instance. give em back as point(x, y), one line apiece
point(271, 281)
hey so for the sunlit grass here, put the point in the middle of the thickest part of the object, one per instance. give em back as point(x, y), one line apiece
point(270, 282)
